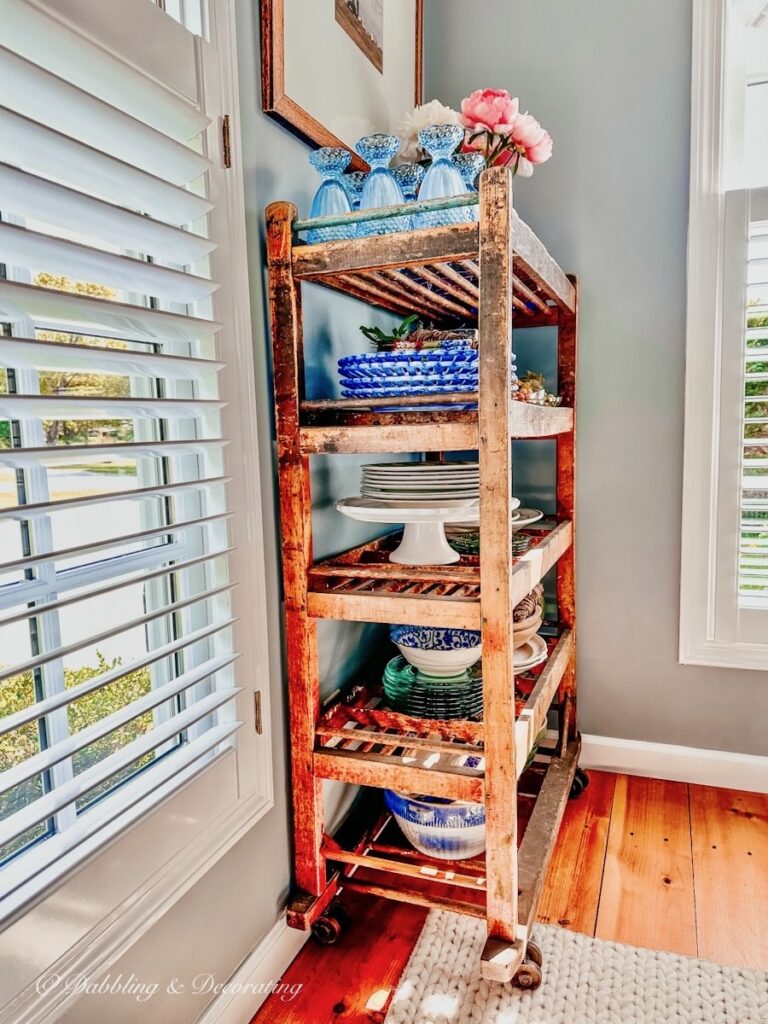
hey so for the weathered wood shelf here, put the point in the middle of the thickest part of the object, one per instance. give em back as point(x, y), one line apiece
point(359, 741)
point(411, 431)
point(493, 272)
point(362, 585)
point(436, 273)
point(380, 864)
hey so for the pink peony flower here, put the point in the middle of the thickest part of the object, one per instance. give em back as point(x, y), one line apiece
point(542, 150)
point(491, 109)
point(531, 141)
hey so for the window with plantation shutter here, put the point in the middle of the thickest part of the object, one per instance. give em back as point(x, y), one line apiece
point(724, 591)
point(123, 430)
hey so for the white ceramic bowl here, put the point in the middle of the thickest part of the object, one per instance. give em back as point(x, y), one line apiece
point(524, 630)
point(435, 651)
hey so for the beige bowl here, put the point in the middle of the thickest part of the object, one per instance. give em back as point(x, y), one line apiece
point(523, 631)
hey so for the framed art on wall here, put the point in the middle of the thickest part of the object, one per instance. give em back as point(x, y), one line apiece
point(335, 70)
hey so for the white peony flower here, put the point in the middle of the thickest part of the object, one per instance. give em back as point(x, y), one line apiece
point(524, 168)
point(425, 116)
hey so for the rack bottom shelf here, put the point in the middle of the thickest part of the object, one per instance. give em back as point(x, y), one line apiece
point(379, 862)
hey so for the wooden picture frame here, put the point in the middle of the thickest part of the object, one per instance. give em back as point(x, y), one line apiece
point(279, 104)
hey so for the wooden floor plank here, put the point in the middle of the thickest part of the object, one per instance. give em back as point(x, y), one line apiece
point(730, 870)
point(351, 982)
point(647, 893)
point(572, 887)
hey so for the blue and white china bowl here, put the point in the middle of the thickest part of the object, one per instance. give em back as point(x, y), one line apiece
point(437, 651)
point(446, 829)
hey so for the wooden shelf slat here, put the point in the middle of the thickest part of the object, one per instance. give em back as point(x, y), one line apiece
point(542, 831)
point(413, 896)
point(532, 718)
point(428, 870)
point(385, 432)
point(367, 769)
point(399, 249)
point(531, 256)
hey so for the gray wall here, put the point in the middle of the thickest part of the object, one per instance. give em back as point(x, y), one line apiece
point(612, 83)
point(225, 915)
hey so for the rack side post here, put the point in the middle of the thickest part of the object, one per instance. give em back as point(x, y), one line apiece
point(567, 341)
point(296, 542)
point(503, 951)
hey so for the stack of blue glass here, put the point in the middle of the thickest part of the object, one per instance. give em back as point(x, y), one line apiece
point(448, 175)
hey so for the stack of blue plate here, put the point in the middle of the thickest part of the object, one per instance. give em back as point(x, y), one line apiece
point(400, 373)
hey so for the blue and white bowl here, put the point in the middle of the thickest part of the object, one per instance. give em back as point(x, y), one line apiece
point(446, 829)
point(436, 651)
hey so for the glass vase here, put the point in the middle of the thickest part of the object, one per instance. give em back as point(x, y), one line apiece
point(409, 178)
point(381, 187)
point(470, 165)
point(331, 198)
point(443, 178)
point(354, 182)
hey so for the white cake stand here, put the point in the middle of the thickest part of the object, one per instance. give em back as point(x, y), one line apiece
point(423, 540)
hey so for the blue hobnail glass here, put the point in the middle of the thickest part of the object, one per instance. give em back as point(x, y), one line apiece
point(381, 187)
point(409, 178)
point(331, 198)
point(443, 179)
point(470, 165)
point(354, 181)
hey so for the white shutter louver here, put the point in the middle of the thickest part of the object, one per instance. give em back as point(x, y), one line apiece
point(753, 547)
point(115, 601)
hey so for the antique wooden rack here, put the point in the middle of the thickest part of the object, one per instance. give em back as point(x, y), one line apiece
point(497, 274)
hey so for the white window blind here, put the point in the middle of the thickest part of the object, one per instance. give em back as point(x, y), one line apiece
point(753, 549)
point(116, 654)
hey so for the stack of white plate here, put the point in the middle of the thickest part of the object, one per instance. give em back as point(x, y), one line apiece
point(421, 484)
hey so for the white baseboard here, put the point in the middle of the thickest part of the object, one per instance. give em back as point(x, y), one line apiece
point(256, 977)
point(679, 764)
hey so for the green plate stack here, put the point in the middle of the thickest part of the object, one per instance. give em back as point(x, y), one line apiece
point(468, 543)
point(413, 693)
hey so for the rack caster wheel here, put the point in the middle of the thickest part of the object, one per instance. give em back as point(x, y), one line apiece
point(528, 975)
point(579, 784)
point(329, 927)
point(533, 953)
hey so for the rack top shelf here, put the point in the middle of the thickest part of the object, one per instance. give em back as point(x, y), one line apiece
point(433, 271)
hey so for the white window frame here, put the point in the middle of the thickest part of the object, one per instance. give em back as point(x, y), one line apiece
point(139, 865)
point(708, 633)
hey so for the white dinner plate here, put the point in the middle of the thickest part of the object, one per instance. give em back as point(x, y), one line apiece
point(470, 497)
point(438, 485)
point(389, 467)
point(532, 652)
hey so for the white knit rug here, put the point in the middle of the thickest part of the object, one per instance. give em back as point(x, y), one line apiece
point(586, 981)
